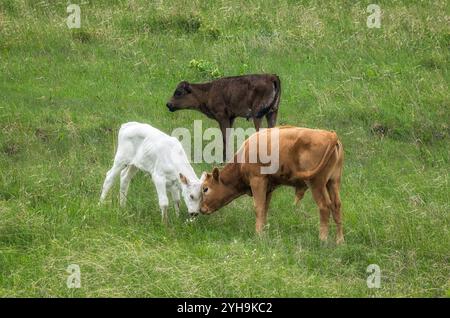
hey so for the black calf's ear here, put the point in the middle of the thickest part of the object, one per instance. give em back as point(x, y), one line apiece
point(187, 87)
point(215, 174)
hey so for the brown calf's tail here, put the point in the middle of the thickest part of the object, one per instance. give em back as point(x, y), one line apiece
point(326, 156)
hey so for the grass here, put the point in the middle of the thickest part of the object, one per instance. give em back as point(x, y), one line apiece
point(64, 93)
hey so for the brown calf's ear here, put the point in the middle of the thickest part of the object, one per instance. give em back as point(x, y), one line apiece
point(183, 179)
point(215, 173)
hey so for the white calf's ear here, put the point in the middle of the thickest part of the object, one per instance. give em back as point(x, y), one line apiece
point(203, 177)
point(183, 179)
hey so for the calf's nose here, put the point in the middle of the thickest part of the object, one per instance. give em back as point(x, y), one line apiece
point(170, 107)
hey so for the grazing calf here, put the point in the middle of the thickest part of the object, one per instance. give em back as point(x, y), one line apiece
point(308, 158)
point(224, 99)
point(142, 147)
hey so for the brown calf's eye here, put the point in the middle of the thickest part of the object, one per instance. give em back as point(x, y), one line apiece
point(205, 190)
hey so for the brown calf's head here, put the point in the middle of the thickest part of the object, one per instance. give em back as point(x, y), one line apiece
point(182, 98)
point(215, 193)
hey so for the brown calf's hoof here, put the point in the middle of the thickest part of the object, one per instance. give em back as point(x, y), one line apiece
point(340, 240)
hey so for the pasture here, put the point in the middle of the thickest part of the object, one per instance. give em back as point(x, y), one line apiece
point(64, 93)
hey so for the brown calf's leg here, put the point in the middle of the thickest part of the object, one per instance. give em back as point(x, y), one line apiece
point(320, 195)
point(268, 198)
point(300, 193)
point(260, 198)
point(333, 190)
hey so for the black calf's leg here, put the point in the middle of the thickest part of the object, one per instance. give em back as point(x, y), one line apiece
point(272, 119)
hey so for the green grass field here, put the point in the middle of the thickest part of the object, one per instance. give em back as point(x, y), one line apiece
point(64, 93)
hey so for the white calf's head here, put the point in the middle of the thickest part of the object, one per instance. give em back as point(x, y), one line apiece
point(192, 194)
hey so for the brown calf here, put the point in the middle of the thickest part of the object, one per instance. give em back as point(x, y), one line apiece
point(308, 158)
point(224, 99)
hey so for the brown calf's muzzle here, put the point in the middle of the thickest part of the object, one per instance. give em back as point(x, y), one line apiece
point(209, 205)
point(204, 209)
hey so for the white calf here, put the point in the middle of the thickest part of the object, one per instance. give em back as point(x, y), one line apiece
point(142, 147)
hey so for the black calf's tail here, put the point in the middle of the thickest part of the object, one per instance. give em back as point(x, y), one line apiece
point(273, 105)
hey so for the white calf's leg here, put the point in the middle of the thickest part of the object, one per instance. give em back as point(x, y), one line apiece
point(175, 193)
point(160, 183)
point(125, 177)
point(109, 180)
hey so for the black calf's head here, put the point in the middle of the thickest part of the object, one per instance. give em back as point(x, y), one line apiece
point(182, 98)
